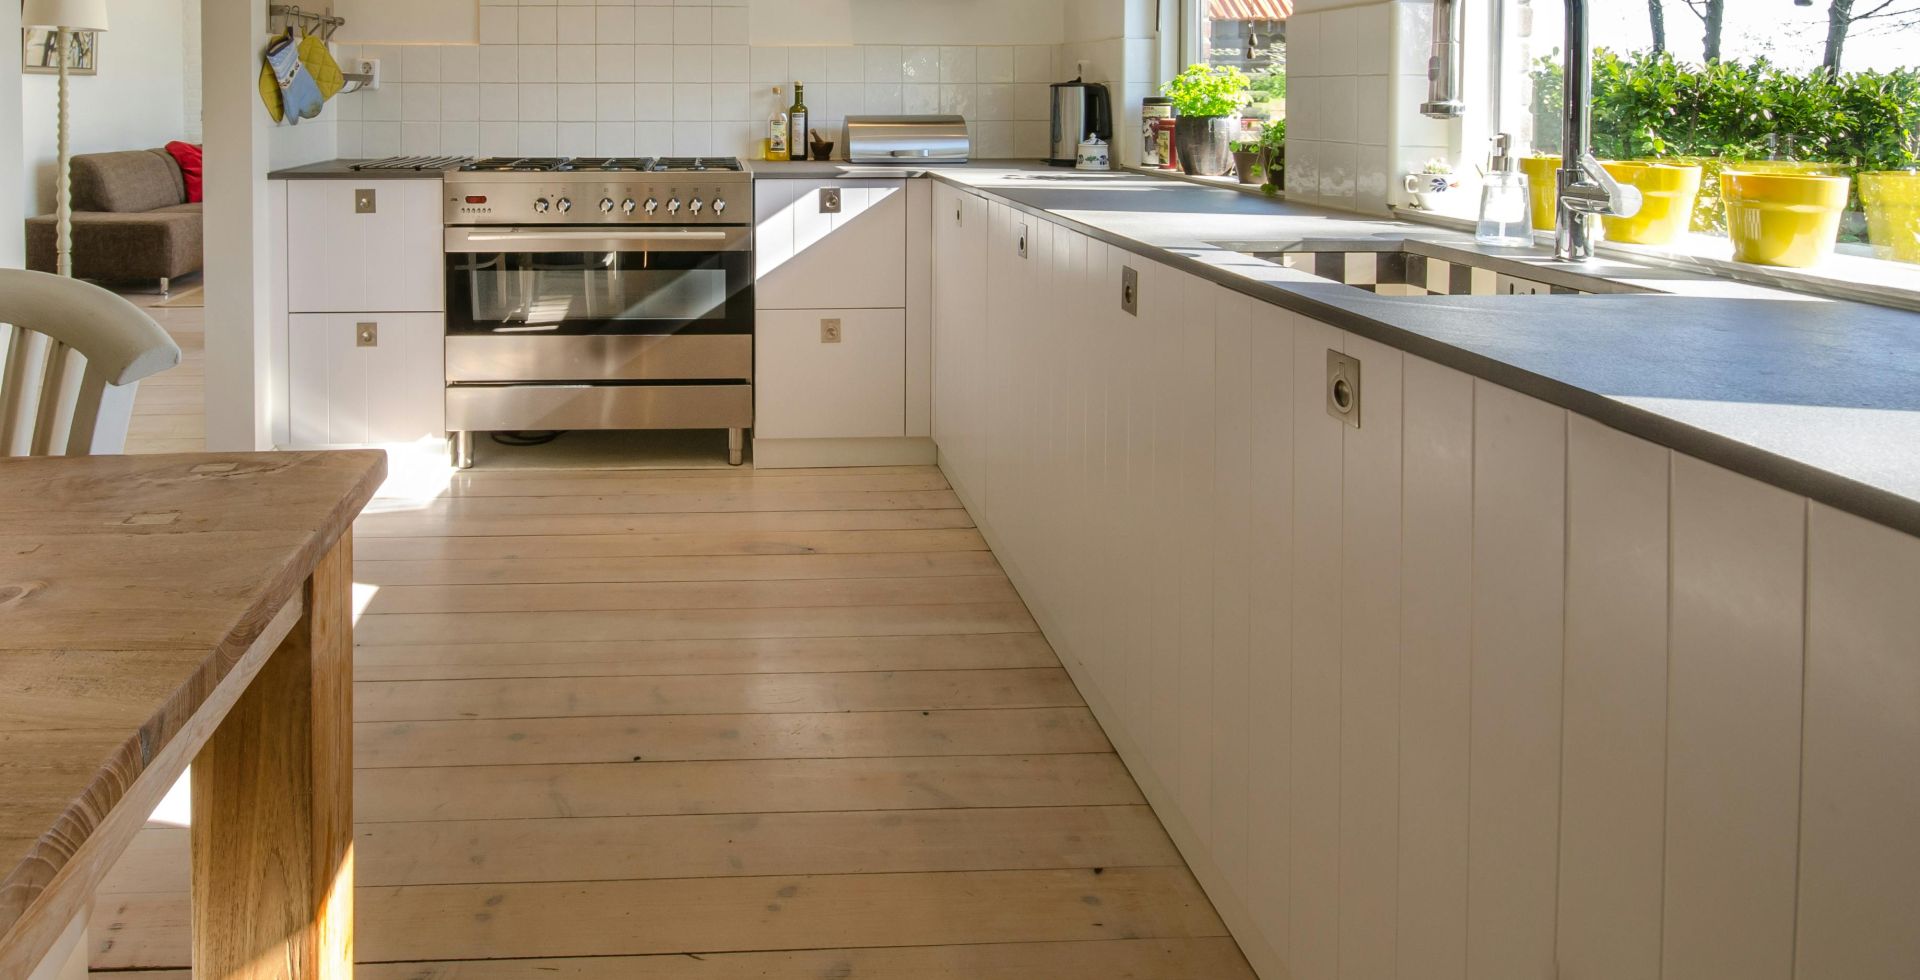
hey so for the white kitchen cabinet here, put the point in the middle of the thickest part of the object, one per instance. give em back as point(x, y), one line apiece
point(806, 387)
point(364, 245)
point(365, 378)
point(1480, 688)
point(830, 245)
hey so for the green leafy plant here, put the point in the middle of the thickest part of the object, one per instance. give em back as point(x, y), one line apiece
point(1273, 140)
point(1207, 91)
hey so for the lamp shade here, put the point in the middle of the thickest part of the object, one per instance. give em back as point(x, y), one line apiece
point(76, 15)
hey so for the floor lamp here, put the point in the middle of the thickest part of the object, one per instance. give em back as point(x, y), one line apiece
point(64, 17)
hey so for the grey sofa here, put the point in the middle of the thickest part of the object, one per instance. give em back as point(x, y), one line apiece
point(131, 220)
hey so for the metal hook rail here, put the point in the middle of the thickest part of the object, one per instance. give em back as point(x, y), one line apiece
point(282, 16)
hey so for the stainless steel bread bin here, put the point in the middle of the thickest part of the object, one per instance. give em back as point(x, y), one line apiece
point(907, 139)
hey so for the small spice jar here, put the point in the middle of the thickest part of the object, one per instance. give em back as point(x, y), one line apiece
point(1153, 146)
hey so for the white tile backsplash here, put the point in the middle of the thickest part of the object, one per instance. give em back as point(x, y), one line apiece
point(678, 76)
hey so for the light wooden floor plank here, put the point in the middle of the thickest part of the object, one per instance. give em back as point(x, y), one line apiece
point(721, 846)
point(569, 697)
point(774, 655)
point(695, 624)
point(627, 596)
point(1018, 731)
point(1116, 959)
point(412, 524)
point(694, 915)
point(669, 544)
point(706, 568)
point(632, 789)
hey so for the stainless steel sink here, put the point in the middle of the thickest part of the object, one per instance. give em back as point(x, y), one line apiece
point(1411, 267)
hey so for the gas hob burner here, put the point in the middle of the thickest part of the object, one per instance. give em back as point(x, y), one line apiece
point(527, 165)
point(611, 165)
point(696, 164)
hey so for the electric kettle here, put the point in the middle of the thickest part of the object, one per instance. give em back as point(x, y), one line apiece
point(1079, 108)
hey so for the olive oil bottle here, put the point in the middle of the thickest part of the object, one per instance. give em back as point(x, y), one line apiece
point(797, 124)
point(777, 131)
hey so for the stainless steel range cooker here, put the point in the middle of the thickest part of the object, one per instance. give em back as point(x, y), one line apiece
point(599, 294)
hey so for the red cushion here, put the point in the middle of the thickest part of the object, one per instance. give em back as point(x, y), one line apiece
point(188, 156)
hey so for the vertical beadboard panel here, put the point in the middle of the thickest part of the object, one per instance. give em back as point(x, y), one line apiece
point(1232, 519)
point(1859, 915)
point(1168, 299)
point(1613, 781)
point(1270, 632)
point(1196, 553)
point(1370, 668)
point(1315, 743)
point(1519, 565)
point(1436, 669)
point(1733, 726)
point(1134, 377)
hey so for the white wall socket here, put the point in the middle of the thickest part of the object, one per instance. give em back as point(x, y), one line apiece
point(370, 66)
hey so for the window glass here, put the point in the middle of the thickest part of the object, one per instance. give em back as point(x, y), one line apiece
point(1250, 35)
point(1823, 88)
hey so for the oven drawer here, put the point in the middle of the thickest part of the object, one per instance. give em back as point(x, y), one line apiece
point(600, 357)
point(540, 408)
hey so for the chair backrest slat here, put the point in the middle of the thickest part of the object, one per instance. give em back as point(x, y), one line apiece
point(75, 355)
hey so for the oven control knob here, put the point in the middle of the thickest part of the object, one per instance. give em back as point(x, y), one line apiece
point(696, 205)
point(673, 205)
point(564, 204)
point(627, 206)
point(606, 205)
point(652, 205)
point(719, 205)
point(541, 206)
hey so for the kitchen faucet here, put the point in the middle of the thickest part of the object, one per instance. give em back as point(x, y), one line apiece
point(1585, 187)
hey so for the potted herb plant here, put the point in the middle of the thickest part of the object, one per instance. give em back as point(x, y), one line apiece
point(1204, 101)
point(1273, 144)
point(1247, 163)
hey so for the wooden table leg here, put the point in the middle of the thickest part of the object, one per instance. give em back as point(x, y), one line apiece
point(272, 806)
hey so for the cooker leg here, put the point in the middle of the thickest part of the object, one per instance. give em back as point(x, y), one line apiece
point(736, 440)
point(462, 445)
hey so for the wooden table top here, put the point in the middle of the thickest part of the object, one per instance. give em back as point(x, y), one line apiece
point(129, 587)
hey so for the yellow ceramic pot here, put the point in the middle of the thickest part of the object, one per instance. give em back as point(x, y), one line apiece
point(1893, 213)
point(1667, 193)
point(1782, 218)
point(1543, 183)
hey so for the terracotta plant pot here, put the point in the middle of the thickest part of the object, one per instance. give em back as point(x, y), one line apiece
point(1893, 213)
point(1667, 193)
point(1201, 144)
point(1783, 219)
point(1248, 165)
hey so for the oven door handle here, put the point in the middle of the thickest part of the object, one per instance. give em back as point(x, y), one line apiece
point(596, 240)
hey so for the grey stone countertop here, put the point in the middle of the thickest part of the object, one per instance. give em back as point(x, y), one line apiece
point(343, 169)
point(1816, 396)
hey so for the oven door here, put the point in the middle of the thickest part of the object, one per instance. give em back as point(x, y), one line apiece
point(562, 281)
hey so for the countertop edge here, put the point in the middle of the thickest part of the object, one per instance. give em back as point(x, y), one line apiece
point(1816, 483)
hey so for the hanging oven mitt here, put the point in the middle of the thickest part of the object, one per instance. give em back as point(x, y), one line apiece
point(295, 91)
point(318, 59)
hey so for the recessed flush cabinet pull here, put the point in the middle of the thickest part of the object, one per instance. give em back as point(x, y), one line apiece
point(1020, 245)
point(1343, 388)
point(830, 200)
point(1130, 290)
point(366, 335)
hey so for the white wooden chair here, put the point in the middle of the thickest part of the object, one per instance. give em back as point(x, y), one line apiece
point(52, 402)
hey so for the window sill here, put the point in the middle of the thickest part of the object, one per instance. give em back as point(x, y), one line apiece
point(1851, 274)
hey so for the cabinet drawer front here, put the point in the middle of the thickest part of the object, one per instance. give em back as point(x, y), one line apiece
point(600, 357)
point(809, 389)
point(344, 259)
point(364, 378)
point(809, 258)
point(492, 408)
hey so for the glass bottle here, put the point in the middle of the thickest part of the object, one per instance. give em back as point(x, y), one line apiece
point(777, 130)
point(797, 124)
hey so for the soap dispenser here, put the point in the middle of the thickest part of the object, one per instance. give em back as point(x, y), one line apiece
point(1506, 209)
